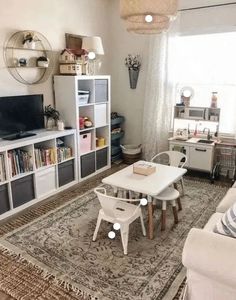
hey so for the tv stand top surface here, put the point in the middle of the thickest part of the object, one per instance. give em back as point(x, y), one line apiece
point(18, 135)
point(39, 136)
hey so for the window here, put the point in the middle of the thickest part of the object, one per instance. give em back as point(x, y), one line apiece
point(207, 63)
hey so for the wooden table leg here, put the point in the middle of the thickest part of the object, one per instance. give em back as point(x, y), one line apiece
point(150, 218)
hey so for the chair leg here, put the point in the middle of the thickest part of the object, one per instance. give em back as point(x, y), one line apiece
point(182, 185)
point(175, 213)
point(97, 227)
point(163, 216)
point(142, 224)
point(179, 203)
point(124, 231)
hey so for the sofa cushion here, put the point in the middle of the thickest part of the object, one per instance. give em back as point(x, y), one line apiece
point(210, 225)
point(227, 224)
point(228, 200)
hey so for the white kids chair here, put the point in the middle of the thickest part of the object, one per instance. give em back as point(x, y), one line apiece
point(174, 159)
point(117, 210)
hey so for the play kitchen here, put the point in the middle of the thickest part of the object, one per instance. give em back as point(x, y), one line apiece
point(195, 133)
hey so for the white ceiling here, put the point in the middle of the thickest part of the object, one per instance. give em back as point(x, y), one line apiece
point(197, 3)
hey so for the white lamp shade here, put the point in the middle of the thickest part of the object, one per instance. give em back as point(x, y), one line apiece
point(93, 44)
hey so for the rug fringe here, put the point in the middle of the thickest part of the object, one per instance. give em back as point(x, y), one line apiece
point(46, 275)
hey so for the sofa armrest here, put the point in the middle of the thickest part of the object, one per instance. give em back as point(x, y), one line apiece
point(211, 255)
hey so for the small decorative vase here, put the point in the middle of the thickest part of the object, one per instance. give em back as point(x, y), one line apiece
point(50, 124)
point(133, 77)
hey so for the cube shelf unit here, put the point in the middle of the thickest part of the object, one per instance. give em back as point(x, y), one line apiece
point(91, 158)
point(26, 181)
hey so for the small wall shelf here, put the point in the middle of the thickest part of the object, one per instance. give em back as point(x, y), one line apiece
point(15, 50)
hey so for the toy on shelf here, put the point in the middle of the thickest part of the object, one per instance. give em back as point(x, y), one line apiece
point(85, 122)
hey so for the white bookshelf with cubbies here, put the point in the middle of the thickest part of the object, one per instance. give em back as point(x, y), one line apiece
point(34, 168)
point(84, 104)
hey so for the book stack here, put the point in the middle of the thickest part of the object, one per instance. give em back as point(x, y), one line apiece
point(2, 169)
point(44, 157)
point(63, 153)
point(20, 161)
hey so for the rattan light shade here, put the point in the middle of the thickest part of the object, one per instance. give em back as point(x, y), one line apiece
point(136, 10)
point(147, 28)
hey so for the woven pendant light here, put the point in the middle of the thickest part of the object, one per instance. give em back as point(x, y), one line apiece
point(137, 10)
point(147, 28)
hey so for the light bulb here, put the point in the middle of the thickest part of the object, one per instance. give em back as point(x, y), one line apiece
point(91, 55)
point(148, 18)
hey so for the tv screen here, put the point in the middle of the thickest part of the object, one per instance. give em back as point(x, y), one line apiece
point(21, 113)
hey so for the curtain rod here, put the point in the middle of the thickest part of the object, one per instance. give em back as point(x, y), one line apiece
point(207, 6)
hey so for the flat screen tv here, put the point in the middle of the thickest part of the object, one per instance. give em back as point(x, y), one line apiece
point(20, 114)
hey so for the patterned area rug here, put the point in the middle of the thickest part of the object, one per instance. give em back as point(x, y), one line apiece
point(60, 244)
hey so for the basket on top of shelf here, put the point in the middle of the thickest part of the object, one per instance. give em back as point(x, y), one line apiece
point(131, 153)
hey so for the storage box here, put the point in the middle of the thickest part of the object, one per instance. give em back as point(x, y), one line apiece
point(143, 168)
point(101, 90)
point(83, 97)
point(22, 190)
point(87, 164)
point(85, 142)
point(100, 115)
point(66, 172)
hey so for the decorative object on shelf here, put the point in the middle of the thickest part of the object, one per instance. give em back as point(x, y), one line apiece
point(31, 44)
point(100, 142)
point(52, 116)
point(29, 40)
point(87, 122)
point(93, 45)
point(214, 100)
point(148, 16)
point(22, 62)
point(186, 94)
point(133, 63)
point(73, 62)
point(42, 61)
point(60, 125)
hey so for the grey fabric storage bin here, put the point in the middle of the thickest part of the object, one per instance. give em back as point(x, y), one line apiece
point(4, 200)
point(101, 158)
point(87, 164)
point(22, 190)
point(66, 172)
point(101, 90)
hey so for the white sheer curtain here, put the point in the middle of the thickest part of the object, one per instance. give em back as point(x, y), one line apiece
point(159, 98)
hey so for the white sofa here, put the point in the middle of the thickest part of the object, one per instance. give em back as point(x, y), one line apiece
point(210, 259)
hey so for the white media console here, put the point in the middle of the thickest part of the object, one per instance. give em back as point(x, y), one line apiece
point(34, 177)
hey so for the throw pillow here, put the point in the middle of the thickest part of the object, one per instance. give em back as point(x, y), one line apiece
point(227, 224)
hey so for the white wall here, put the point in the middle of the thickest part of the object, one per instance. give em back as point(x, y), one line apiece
point(126, 101)
point(52, 18)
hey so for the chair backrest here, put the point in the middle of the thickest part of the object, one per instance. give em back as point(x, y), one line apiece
point(176, 158)
point(109, 203)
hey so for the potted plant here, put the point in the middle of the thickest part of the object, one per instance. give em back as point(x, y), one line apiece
point(52, 116)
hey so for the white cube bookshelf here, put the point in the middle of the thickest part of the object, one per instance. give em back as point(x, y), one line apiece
point(67, 89)
point(33, 184)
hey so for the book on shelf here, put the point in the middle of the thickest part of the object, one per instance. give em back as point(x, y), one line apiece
point(2, 169)
point(20, 161)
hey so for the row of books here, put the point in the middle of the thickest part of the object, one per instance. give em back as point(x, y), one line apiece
point(63, 153)
point(49, 156)
point(20, 161)
point(2, 169)
point(45, 157)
